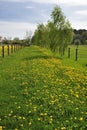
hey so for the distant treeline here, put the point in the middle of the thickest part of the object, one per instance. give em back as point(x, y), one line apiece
point(16, 41)
point(80, 37)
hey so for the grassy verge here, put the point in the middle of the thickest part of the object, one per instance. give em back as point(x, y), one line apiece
point(37, 92)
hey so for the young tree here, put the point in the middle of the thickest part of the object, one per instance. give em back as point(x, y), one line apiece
point(63, 33)
point(56, 35)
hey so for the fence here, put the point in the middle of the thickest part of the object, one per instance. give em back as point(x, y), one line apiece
point(78, 53)
point(6, 50)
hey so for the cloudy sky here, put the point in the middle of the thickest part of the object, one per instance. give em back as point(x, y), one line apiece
point(20, 16)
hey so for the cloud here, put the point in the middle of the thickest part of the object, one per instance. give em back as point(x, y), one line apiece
point(73, 2)
point(79, 24)
point(15, 29)
point(69, 2)
point(29, 7)
point(82, 12)
point(36, 1)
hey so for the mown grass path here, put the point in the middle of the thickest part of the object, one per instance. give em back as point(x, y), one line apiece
point(37, 92)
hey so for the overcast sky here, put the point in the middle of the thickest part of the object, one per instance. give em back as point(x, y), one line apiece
point(19, 16)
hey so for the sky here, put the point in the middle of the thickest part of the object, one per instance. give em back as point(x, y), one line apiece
point(20, 16)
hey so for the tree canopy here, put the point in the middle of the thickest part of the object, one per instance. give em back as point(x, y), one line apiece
point(57, 34)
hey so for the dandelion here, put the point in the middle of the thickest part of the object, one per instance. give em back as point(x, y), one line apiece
point(35, 109)
point(39, 119)
point(45, 114)
point(21, 125)
point(0, 127)
point(51, 119)
point(23, 118)
point(41, 114)
point(15, 116)
point(81, 118)
point(63, 128)
point(19, 107)
point(29, 111)
point(29, 123)
point(20, 117)
point(77, 95)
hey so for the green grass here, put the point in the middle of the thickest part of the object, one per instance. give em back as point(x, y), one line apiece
point(81, 63)
point(39, 92)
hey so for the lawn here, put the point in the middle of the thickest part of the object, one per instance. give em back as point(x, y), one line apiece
point(40, 92)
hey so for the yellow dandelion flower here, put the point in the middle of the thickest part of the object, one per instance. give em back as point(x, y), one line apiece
point(77, 95)
point(23, 118)
point(19, 107)
point(29, 123)
point(63, 128)
point(39, 119)
point(81, 118)
point(21, 124)
point(45, 114)
point(19, 117)
point(0, 127)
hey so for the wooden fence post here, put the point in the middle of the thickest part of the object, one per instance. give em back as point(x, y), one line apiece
point(68, 52)
point(8, 50)
point(14, 48)
point(11, 48)
point(76, 54)
point(3, 51)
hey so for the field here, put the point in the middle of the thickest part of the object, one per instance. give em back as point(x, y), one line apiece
point(81, 63)
point(41, 92)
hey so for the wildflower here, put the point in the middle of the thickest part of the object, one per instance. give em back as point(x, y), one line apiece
point(81, 118)
point(21, 124)
point(19, 107)
point(75, 118)
point(29, 123)
point(77, 95)
point(19, 117)
point(63, 128)
point(23, 118)
point(39, 119)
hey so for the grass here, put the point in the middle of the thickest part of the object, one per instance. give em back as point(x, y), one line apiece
point(39, 92)
point(81, 63)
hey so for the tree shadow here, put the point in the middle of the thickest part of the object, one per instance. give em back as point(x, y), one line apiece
point(37, 57)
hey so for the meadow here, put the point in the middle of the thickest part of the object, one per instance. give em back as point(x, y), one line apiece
point(41, 92)
point(81, 63)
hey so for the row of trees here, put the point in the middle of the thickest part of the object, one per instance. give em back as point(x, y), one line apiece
point(80, 36)
point(16, 41)
point(26, 41)
point(56, 35)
